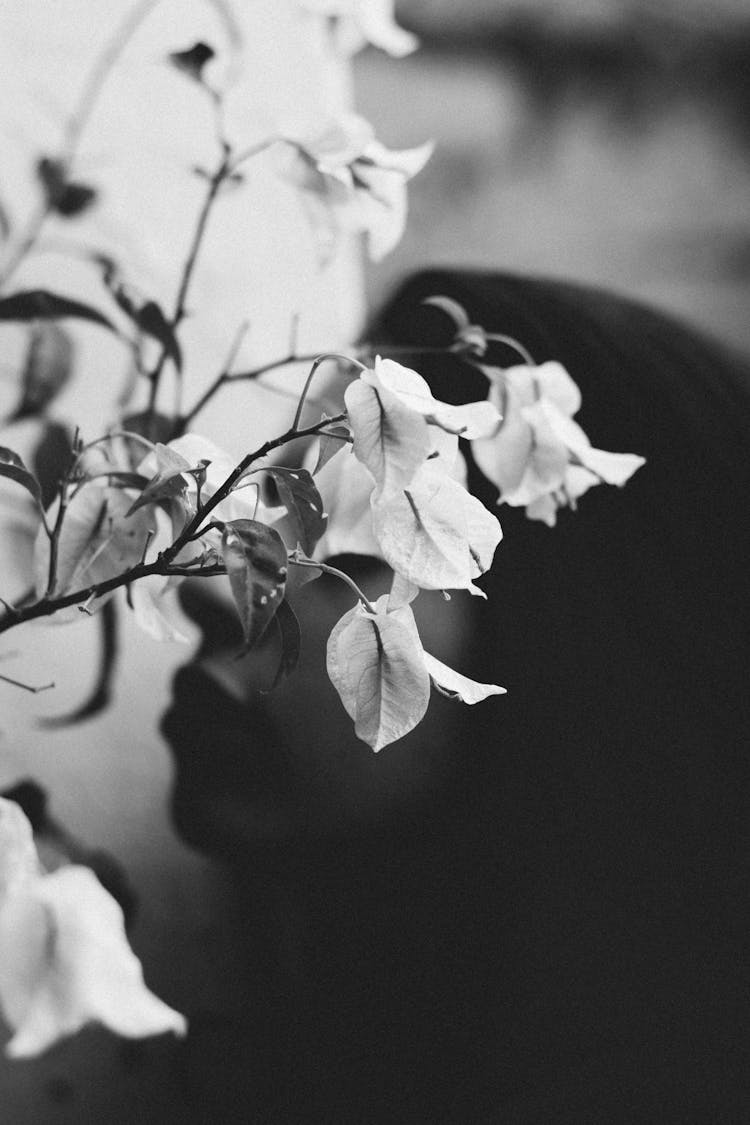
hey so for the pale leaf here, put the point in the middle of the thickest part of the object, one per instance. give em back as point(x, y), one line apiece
point(375, 663)
point(389, 439)
point(468, 691)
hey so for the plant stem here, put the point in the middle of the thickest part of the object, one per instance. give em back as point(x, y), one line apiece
point(308, 382)
point(164, 563)
point(223, 378)
point(178, 314)
point(34, 688)
point(223, 490)
point(337, 574)
point(364, 350)
point(511, 342)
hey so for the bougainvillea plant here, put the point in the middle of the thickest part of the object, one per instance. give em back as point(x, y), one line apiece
point(151, 502)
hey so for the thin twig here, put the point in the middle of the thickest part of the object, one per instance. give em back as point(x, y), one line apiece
point(223, 377)
point(308, 382)
point(178, 314)
point(164, 563)
point(296, 561)
point(223, 490)
point(33, 688)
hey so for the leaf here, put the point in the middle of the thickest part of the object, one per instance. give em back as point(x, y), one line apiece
point(150, 424)
point(63, 196)
point(192, 60)
point(151, 320)
point(347, 487)
point(470, 420)
point(18, 857)
point(12, 467)
point(436, 534)
point(390, 440)
point(303, 502)
point(454, 684)
point(65, 962)
point(375, 663)
point(51, 459)
point(98, 541)
point(39, 304)
point(168, 482)
point(146, 315)
point(333, 440)
point(256, 562)
point(291, 639)
point(49, 361)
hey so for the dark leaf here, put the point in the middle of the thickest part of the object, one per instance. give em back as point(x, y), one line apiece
point(256, 562)
point(168, 482)
point(151, 425)
point(64, 196)
point(49, 362)
point(334, 439)
point(121, 478)
point(51, 459)
point(12, 467)
point(39, 304)
point(303, 502)
point(192, 60)
point(152, 321)
point(147, 316)
point(291, 639)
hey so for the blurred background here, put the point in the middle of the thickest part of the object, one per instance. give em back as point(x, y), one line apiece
point(604, 141)
point(600, 140)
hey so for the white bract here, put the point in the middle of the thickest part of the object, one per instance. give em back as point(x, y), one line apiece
point(242, 503)
point(358, 22)
point(428, 527)
point(538, 457)
point(64, 958)
point(377, 664)
point(351, 182)
point(469, 420)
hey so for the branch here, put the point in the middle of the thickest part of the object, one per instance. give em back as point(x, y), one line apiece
point(297, 561)
point(163, 564)
point(216, 180)
point(195, 524)
point(364, 351)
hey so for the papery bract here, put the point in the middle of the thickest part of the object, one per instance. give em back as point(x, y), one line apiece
point(365, 21)
point(64, 957)
point(346, 486)
point(354, 183)
point(98, 541)
point(435, 533)
point(390, 439)
point(470, 420)
point(453, 683)
point(536, 447)
point(374, 661)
